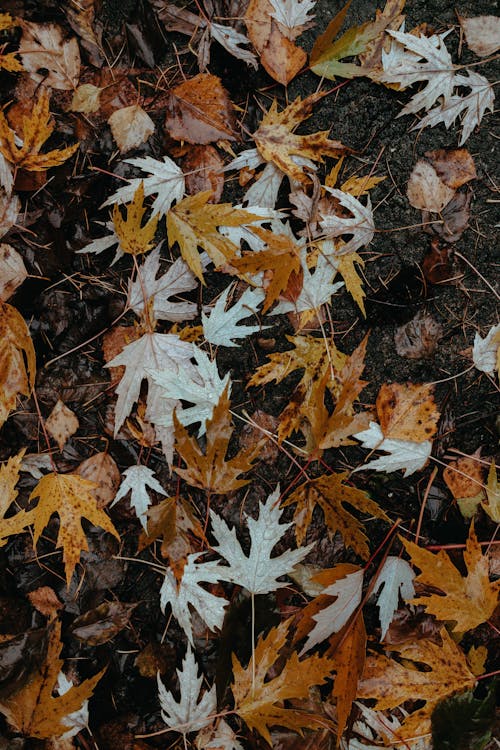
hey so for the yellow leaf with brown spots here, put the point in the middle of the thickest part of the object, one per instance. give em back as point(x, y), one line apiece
point(35, 710)
point(72, 498)
point(392, 683)
point(33, 131)
point(17, 359)
point(407, 411)
point(135, 239)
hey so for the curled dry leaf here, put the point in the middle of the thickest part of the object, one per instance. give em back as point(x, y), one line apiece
point(200, 111)
point(454, 218)
point(454, 167)
point(101, 624)
point(436, 265)
point(426, 190)
point(482, 34)
point(12, 271)
point(418, 338)
point(61, 423)
point(101, 469)
point(131, 126)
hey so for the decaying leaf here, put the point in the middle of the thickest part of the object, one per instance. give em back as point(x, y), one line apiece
point(34, 710)
point(210, 470)
point(12, 271)
point(101, 469)
point(61, 423)
point(491, 504)
point(469, 600)
point(465, 480)
point(419, 338)
point(48, 57)
point(454, 167)
point(202, 167)
point(407, 412)
point(348, 653)
point(482, 34)
point(331, 494)
point(426, 190)
point(131, 126)
point(33, 132)
point(485, 351)
point(256, 699)
point(133, 237)
point(199, 111)
point(17, 359)
point(101, 624)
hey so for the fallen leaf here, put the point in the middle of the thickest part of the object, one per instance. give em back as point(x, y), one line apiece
point(48, 57)
point(465, 478)
point(402, 454)
point(34, 710)
point(391, 684)
point(221, 327)
point(482, 34)
point(492, 503)
point(436, 265)
point(331, 494)
point(71, 498)
point(454, 167)
point(467, 601)
point(174, 520)
point(137, 480)
point(407, 412)
point(10, 206)
point(45, 601)
point(86, 99)
point(131, 126)
point(419, 338)
point(485, 350)
point(361, 225)
point(61, 423)
point(166, 180)
point(202, 167)
point(35, 129)
point(82, 19)
point(426, 190)
point(255, 699)
point(221, 737)
point(348, 658)
point(454, 219)
point(101, 624)
point(101, 469)
point(17, 359)
point(133, 237)
point(199, 110)
point(391, 17)
point(396, 579)
point(12, 271)
point(210, 470)
point(465, 721)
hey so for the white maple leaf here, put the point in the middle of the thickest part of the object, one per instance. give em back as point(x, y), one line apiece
point(384, 729)
point(402, 454)
point(166, 180)
point(136, 480)
point(232, 40)
point(200, 385)
point(191, 713)
point(331, 619)
point(178, 279)
point(258, 571)
point(317, 287)
point(472, 106)
point(243, 232)
point(293, 15)
point(189, 593)
point(101, 244)
point(485, 351)
point(7, 176)
point(361, 226)
point(76, 720)
point(396, 577)
point(406, 68)
point(151, 351)
point(221, 326)
point(220, 737)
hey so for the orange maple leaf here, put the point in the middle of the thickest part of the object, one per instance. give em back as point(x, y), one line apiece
point(255, 698)
point(468, 601)
point(34, 131)
point(210, 470)
point(34, 710)
point(17, 359)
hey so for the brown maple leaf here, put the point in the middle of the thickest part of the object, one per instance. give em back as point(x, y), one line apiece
point(34, 710)
point(210, 470)
point(277, 143)
point(33, 131)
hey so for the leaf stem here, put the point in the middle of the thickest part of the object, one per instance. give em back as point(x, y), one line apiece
point(253, 643)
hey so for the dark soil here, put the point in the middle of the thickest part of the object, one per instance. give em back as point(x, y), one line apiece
point(70, 300)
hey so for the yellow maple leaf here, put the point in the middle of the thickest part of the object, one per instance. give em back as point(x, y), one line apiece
point(210, 470)
point(9, 61)
point(256, 699)
point(469, 600)
point(277, 143)
point(34, 710)
point(34, 131)
point(319, 363)
point(391, 683)
point(9, 477)
point(193, 222)
point(17, 359)
point(330, 493)
point(7, 22)
point(134, 238)
point(72, 498)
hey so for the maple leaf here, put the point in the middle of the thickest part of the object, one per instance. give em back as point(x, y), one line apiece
point(34, 710)
point(221, 737)
point(134, 238)
point(135, 480)
point(210, 470)
point(402, 454)
point(186, 592)
point(9, 477)
point(190, 713)
point(361, 226)
point(330, 493)
point(391, 684)
point(348, 654)
point(256, 699)
point(292, 15)
point(469, 600)
point(221, 326)
point(147, 289)
point(396, 578)
point(35, 130)
point(277, 143)
point(317, 288)
point(152, 350)
point(72, 498)
point(317, 360)
point(166, 181)
point(257, 572)
point(199, 384)
point(175, 521)
point(193, 223)
point(17, 359)
point(48, 57)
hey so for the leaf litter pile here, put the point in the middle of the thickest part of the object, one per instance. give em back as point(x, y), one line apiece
point(249, 369)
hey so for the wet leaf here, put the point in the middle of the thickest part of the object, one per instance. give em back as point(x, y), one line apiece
point(61, 423)
point(101, 624)
point(17, 359)
point(131, 126)
point(200, 111)
point(48, 57)
point(134, 237)
point(463, 722)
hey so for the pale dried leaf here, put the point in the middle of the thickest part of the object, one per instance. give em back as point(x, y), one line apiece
point(485, 351)
point(402, 454)
point(130, 126)
point(425, 190)
point(396, 578)
point(137, 480)
point(12, 271)
point(61, 423)
point(482, 34)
